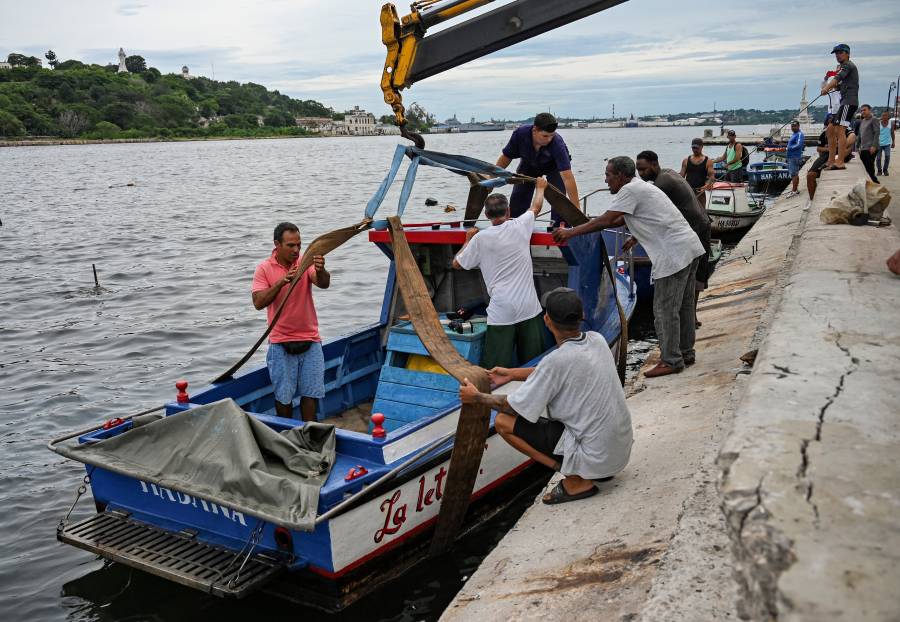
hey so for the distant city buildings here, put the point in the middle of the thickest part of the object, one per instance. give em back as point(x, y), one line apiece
point(359, 122)
point(5, 65)
point(356, 122)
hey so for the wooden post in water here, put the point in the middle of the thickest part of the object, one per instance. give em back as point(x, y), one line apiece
point(96, 281)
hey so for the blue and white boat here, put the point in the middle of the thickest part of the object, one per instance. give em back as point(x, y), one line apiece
point(767, 171)
point(381, 499)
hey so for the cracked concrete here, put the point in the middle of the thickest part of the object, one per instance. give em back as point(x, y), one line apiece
point(554, 564)
point(764, 495)
point(809, 476)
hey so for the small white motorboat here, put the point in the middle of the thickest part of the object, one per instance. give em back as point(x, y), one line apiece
point(731, 208)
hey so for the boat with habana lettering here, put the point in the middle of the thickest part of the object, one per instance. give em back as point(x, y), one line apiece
point(372, 517)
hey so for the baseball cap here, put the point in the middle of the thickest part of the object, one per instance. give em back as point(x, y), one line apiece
point(731, 133)
point(795, 122)
point(564, 307)
point(841, 47)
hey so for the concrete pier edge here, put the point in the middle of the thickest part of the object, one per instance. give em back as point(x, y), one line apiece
point(760, 493)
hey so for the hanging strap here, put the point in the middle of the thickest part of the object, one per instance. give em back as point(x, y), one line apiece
point(474, 419)
point(377, 198)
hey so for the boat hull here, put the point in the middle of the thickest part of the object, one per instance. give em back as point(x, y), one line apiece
point(723, 224)
point(730, 209)
point(383, 495)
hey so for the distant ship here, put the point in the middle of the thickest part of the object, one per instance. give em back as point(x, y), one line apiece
point(631, 122)
point(453, 125)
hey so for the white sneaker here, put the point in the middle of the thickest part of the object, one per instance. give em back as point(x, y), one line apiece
point(792, 193)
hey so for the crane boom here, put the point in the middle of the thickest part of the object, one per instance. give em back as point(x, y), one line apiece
point(413, 56)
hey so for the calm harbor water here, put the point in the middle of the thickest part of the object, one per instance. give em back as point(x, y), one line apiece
point(175, 230)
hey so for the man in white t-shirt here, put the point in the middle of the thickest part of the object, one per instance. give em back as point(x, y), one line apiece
point(570, 412)
point(503, 252)
point(673, 248)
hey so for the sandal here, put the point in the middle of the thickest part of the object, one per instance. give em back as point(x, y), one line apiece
point(560, 495)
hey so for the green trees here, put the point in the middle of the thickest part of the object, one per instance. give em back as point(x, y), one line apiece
point(135, 64)
point(10, 125)
point(21, 60)
point(79, 100)
point(418, 119)
point(50, 55)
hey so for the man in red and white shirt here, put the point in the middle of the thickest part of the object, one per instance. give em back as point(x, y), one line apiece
point(295, 360)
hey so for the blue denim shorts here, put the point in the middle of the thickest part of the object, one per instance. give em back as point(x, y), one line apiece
point(296, 375)
point(793, 166)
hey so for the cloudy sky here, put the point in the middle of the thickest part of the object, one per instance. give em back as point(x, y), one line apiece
point(644, 56)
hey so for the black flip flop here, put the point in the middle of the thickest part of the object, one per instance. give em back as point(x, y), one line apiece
point(559, 495)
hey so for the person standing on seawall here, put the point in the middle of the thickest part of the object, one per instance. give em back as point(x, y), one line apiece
point(868, 140)
point(794, 154)
point(541, 152)
point(886, 142)
point(295, 359)
point(682, 196)
point(847, 81)
point(673, 249)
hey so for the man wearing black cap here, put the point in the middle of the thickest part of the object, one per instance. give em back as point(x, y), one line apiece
point(569, 413)
point(541, 151)
point(847, 81)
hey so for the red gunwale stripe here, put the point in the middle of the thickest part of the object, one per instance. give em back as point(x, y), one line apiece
point(450, 236)
point(412, 532)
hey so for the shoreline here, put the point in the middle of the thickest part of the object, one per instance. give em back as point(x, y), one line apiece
point(55, 142)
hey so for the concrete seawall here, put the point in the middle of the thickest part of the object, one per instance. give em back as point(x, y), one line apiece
point(794, 450)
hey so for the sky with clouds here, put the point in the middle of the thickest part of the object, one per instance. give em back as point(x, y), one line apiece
point(644, 56)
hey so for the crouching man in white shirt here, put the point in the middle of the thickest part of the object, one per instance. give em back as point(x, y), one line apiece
point(587, 433)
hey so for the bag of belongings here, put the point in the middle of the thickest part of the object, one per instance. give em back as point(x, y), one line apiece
point(866, 202)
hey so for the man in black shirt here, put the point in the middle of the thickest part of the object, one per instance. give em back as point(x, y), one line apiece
point(847, 81)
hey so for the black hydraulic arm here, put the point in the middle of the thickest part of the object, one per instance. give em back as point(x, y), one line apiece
point(495, 30)
point(413, 55)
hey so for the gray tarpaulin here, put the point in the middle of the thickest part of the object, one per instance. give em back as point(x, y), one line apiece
point(220, 453)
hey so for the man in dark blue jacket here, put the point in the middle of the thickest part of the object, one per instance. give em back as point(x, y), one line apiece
point(542, 152)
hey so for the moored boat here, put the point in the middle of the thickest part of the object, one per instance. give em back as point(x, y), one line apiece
point(394, 412)
point(731, 209)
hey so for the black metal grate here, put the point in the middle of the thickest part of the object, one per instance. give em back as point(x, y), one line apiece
point(176, 556)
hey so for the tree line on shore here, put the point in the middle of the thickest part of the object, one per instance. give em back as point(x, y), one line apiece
point(77, 100)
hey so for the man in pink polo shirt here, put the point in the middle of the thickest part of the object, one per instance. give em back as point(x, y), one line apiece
point(295, 360)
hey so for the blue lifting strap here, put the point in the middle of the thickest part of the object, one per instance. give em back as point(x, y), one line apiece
point(461, 165)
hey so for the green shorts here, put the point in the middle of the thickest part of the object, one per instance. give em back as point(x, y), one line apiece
point(512, 345)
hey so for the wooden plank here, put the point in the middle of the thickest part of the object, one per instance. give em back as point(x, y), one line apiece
point(398, 375)
point(418, 396)
point(411, 344)
point(400, 411)
point(474, 419)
